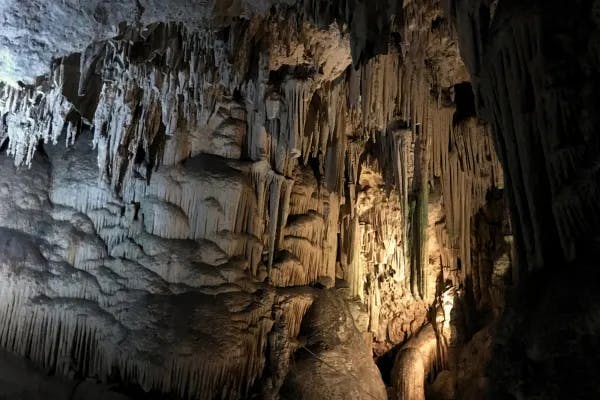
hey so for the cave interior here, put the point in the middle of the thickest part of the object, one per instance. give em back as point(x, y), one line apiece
point(299, 199)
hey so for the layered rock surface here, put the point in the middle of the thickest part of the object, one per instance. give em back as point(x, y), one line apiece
point(213, 172)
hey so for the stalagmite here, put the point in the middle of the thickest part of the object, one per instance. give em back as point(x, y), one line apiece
point(410, 375)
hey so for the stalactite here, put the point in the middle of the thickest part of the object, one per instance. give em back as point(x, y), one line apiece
point(31, 115)
point(51, 333)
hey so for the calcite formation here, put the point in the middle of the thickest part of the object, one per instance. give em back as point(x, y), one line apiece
point(177, 194)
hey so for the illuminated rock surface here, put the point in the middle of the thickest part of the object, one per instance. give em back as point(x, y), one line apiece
point(268, 199)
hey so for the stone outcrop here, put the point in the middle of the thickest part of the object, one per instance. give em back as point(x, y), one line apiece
point(333, 361)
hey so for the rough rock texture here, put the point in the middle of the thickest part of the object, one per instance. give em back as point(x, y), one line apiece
point(535, 73)
point(208, 174)
point(334, 362)
point(70, 306)
point(35, 32)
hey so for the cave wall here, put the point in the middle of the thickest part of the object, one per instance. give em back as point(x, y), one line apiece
point(172, 190)
point(534, 78)
point(535, 73)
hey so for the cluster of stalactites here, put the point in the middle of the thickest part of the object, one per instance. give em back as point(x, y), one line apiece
point(33, 114)
point(177, 87)
point(67, 334)
point(395, 102)
point(286, 157)
point(466, 164)
point(419, 147)
point(172, 91)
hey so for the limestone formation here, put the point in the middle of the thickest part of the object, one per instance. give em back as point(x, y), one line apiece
point(215, 199)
